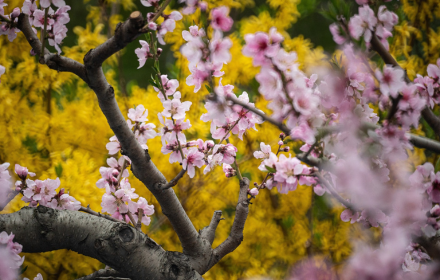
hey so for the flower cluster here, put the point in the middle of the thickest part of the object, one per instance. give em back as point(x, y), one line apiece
point(43, 192)
point(8, 28)
point(192, 5)
point(118, 197)
point(286, 172)
point(366, 22)
point(10, 261)
point(55, 21)
point(429, 86)
point(206, 57)
point(168, 24)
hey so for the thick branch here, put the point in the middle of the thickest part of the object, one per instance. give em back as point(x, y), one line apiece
point(209, 232)
point(101, 273)
point(236, 235)
point(53, 61)
point(117, 245)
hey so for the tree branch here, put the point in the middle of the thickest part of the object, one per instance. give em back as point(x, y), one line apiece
point(117, 245)
point(143, 168)
point(209, 232)
point(101, 273)
point(236, 235)
point(174, 181)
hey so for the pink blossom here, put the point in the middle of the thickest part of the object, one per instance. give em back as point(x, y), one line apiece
point(386, 18)
point(113, 146)
point(318, 189)
point(434, 189)
point(228, 151)
point(305, 102)
point(142, 203)
point(434, 70)
point(125, 191)
point(10, 261)
point(422, 177)
point(206, 146)
point(220, 19)
point(2, 11)
point(193, 158)
point(175, 129)
point(173, 148)
point(271, 161)
point(142, 53)
point(57, 3)
point(174, 108)
point(284, 60)
point(271, 85)
point(335, 30)
point(39, 20)
point(169, 86)
point(287, 171)
point(7, 28)
point(149, 3)
point(229, 170)
point(199, 74)
point(254, 192)
point(219, 48)
point(22, 172)
point(265, 151)
point(63, 201)
point(193, 33)
point(5, 183)
point(261, 46)
point(391, 80)
point(213, 160)
point(144, 132)
point(193, 51)
point(363, 24)
point(139, 114)
point(303, 132)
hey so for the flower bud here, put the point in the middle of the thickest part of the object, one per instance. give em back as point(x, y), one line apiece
point(21, 171)
point(203, 6)
point(115, 173)
point(280, 143)
point(159, 51)
point(33, 203)
point(33, 53)
point(254, 192)
point(152, 25)
point(286, 149)
point(15, 13)
point(282, 136)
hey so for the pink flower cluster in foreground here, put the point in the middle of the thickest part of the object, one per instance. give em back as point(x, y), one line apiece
point(10, 261)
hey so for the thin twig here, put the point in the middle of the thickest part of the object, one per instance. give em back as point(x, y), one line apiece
point(335, 193)
point(43, 35)
point(94, 213)
point(174, 181)
point(158, 13)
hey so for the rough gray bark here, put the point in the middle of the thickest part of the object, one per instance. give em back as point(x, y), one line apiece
point(119, 245)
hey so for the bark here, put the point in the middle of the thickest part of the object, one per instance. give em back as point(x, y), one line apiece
point(130, 252)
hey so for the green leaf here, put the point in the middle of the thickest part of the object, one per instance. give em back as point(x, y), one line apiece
point(23, 269)
point(208, 88)
point(59, 170)
point(270, 169)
